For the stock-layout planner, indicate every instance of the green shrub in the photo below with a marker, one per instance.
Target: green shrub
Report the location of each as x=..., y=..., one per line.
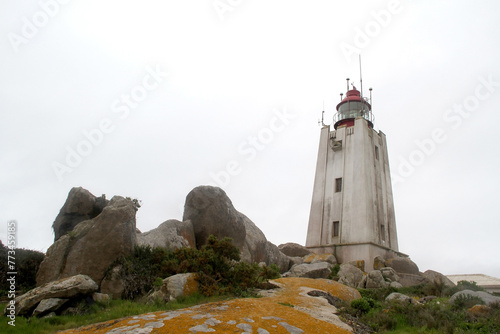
x=216, y=265
x=380, y=321
x=377, y=294
x=361, y=305
x=468, y=285
x=464, y=302
x=335, y=272
x=436, y=316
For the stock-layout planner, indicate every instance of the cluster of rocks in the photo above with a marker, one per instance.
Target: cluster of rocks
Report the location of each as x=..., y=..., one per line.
x=91, y=233
x=58, y=297
x=394, y=272
x=89, y=246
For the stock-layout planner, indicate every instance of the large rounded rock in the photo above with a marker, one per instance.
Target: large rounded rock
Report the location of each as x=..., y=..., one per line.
x=389, y=274
x=254, y=248
x=274, y=255
x=170, y=235
x=93, y=245
x=403, y=265
x=350, y=275
x=484, y=296
x=311, y=270
x=375, y=280
x=436, y=277
x=66, y=288
x=407, y=280
x=401, y=297
x=80, y=205
x=213, y=213
x=180, y=285
x=293, y=250
x=313, y=258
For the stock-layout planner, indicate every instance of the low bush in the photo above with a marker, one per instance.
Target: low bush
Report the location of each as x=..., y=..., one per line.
x=26, y=264
x=334, y=275
x=464, y=302
x=216, y=263
x=377, y=294
x=361, y=305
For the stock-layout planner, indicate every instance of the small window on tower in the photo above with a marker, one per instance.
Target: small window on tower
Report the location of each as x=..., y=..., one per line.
x=338, y=185
x=376, y=152
x=335, y=232
x=382, y=232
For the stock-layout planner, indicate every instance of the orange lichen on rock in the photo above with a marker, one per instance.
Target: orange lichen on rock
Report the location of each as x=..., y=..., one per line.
x=285, y=310
x=316, y=257
x=191, y=285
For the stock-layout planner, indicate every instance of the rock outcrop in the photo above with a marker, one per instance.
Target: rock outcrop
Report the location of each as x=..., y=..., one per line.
x=175, y=286
x=293, y=250
x=49, y=305
x=212, y=213
x=288, y=309
x=93, y=245
x=350, y=275
x=375, y=280
x=80, y=205
x=389, y=274
x=170, y=235
x=311, y=270
x=314, y=258
x=403, y=265
x=274, y=255
x=56, y=293
x=487, y=298
x=401, y=297
x=407, y=271
x=436, y=277
x=113, y=284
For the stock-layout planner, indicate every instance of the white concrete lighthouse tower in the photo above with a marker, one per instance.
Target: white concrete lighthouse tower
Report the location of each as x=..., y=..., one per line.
x=352, y=209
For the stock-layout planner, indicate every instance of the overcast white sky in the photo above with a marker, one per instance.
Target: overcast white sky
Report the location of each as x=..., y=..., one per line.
x=182, y=90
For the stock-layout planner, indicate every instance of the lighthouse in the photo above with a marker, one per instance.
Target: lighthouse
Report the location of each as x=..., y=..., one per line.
x=352, y=209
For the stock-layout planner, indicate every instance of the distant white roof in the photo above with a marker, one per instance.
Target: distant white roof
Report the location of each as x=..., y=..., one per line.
x=480, y=279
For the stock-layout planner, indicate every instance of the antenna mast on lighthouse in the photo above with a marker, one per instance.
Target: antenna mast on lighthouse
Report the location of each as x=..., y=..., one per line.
x=360, y=76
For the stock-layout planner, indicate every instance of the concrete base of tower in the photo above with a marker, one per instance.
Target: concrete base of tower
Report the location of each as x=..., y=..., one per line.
x=366, y=252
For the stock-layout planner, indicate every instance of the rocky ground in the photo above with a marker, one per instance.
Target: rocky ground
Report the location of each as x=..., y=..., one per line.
x=287, y=309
